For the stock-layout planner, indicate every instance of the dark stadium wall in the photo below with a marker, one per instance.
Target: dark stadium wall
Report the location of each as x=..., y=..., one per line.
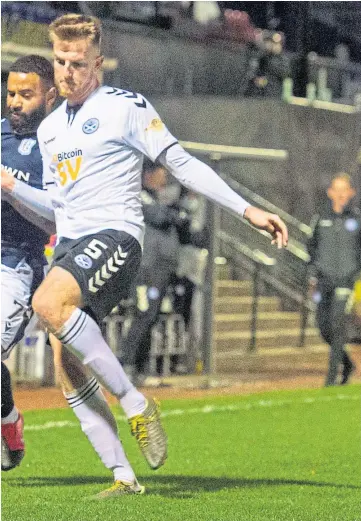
x=319, y=142
x=157, y=62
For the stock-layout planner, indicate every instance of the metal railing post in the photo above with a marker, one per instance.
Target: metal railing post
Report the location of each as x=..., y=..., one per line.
x=213, y=220
x=304, y=314
x=256, y=276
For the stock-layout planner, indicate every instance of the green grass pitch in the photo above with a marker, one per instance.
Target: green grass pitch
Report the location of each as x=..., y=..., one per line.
x=278, y=456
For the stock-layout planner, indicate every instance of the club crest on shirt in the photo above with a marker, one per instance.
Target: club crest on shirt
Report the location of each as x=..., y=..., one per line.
x=91, y=126
x=351, y=225
x=26, y=146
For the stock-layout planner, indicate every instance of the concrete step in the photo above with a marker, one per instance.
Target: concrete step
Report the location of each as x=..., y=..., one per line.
x=223, y=271
x=244, y=304
x=305, y=360
x=234, y=288
x=275, y=320
x=239, y=340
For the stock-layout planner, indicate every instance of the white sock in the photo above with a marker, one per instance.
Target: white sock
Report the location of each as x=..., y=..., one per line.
x=83, y=337
x=11, y=418
x=99, y=425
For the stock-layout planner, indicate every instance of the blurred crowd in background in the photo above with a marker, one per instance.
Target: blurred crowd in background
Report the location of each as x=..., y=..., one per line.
x=275, y=50
x=289, y=47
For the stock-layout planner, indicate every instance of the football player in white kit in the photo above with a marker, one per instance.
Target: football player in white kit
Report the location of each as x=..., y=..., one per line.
x=31, y=94
x=93, y=147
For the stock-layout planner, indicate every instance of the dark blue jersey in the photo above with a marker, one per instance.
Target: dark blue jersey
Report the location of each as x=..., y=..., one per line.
x=20, y=156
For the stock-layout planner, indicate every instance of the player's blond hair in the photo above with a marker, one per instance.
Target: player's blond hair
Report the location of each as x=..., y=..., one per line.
x=71, y=27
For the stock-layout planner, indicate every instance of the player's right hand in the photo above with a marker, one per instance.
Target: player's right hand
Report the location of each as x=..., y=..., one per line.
x=7, y=181
x=269, y=222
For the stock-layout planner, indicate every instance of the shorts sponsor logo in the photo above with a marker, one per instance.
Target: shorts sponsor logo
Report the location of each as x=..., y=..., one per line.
x=107, y=270
x=84, y=261
x=351, y=225
x=91, y=126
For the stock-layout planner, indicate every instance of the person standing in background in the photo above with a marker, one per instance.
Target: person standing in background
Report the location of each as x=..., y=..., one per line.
x=163, y=223
x=335, y=258
x=190, y=274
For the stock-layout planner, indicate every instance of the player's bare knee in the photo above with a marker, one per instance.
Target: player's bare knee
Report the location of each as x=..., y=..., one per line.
x=52, y=311
x=41, y=305
x=46, y=308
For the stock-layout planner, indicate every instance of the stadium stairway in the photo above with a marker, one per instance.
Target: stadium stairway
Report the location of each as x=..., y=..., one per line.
x=277, y=336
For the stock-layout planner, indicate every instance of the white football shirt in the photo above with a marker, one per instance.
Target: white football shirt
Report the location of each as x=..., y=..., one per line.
x=93, y=157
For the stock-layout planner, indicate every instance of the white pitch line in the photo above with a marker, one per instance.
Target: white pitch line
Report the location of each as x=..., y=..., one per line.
x=207, y=409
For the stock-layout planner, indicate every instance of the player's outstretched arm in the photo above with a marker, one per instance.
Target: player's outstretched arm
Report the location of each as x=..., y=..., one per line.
x=199, y=177
x=38, y=201
x=36, y=219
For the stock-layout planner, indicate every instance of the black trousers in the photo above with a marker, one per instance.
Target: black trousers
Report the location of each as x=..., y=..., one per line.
x=184, y=290
x=331, y=319
x=151, y=287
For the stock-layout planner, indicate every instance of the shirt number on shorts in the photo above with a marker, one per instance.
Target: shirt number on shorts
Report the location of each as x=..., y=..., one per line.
x=95, y=248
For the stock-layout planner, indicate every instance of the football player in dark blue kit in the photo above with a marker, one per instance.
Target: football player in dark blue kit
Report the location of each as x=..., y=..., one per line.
x=30, y=97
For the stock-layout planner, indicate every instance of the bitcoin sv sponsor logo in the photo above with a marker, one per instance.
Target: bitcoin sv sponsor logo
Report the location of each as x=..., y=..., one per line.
x=68, y=165
x=68, y=155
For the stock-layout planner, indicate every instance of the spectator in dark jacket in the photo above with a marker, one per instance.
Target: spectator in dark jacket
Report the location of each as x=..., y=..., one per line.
x=335, y=251
x=165, y=224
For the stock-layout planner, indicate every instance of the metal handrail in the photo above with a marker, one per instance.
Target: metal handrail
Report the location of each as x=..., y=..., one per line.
x=258, y=199
x=256, y=256
x=332, y=63
x=261, y=258
x=221, y=152
x=11, y=52
x=217, y=152
x=260, y=262
x=294, y=247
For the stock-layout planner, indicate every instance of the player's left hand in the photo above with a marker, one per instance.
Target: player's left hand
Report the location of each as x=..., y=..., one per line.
x=7, y=181
x=269, y=222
